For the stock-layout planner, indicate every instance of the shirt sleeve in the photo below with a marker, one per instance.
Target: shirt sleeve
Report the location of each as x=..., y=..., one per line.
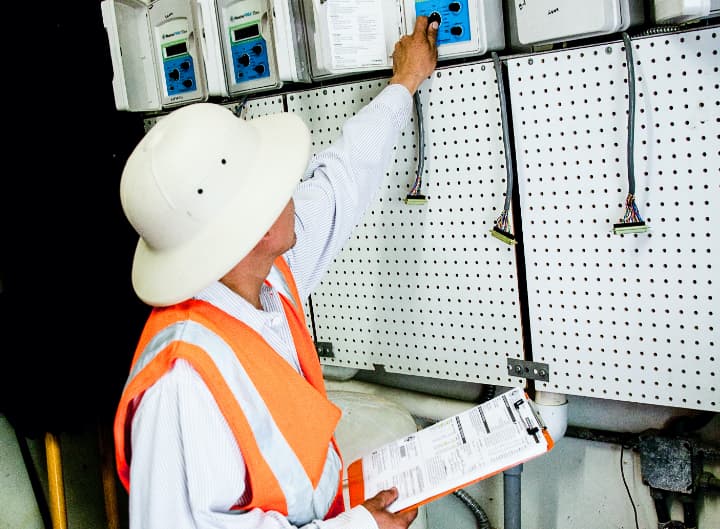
x=187, y=470
x=341, y=182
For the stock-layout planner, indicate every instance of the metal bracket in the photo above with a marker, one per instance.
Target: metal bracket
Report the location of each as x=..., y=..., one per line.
x=527, y=369
x=324, y=349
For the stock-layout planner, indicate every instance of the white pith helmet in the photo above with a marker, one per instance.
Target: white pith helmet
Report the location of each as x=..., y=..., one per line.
x=201, y=189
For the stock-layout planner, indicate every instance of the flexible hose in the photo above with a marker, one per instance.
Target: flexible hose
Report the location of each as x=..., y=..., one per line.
x=489, y=392
x=659, y=30
x=477, y=510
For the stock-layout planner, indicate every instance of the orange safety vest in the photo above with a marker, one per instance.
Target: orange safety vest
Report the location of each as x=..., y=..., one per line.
x=282, y=469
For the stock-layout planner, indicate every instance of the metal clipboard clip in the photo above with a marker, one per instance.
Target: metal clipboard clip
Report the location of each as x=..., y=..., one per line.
x=536, y=413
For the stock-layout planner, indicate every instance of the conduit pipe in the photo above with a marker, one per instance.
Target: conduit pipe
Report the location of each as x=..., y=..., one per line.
x=477, y=510
x=553, y=408
x=512, y=505
x=420, y=405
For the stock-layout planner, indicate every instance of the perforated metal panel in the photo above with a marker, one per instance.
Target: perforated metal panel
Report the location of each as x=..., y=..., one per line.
x=259, y=106
x=251, y=108
x=631, y=317
x=424, y=289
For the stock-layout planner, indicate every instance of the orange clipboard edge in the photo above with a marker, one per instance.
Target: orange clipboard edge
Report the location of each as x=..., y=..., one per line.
x=471, y=482
x=549, y=439
x=356, y=483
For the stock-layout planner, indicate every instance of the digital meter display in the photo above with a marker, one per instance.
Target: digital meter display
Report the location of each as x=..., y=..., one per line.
x=245, y=32
x=175, y=49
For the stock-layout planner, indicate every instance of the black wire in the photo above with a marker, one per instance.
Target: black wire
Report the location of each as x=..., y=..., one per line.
x=240, y=106
x=506, y=131
x=627, y=489
x=421, y=143
x=312, y=319
x=631, y=113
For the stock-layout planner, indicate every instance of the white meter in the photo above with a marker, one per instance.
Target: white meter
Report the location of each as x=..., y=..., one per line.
x=246, y=29
x=535, y=22
x=156, y=54
x=467, y=27
x=260, y=45
x=681, y=11
x=181, y=74
x=352, y=36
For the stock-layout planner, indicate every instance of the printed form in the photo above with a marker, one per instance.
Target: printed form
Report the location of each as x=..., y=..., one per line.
x=357, y=34
x=452, y=453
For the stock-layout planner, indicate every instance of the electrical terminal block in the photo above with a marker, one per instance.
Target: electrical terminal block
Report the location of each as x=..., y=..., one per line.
x=626, y=228
x=415, y=200
x=504, y=236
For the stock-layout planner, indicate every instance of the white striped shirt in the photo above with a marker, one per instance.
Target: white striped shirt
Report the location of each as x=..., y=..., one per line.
x=186, y=469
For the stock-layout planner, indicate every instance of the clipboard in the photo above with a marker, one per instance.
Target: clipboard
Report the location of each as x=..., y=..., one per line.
x=453, y=453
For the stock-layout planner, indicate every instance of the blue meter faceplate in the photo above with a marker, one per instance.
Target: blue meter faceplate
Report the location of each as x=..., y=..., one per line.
x=249, y=53
x=179, y=69
x=455, y=19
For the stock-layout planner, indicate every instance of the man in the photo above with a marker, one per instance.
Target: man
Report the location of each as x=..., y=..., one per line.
x=224, y=422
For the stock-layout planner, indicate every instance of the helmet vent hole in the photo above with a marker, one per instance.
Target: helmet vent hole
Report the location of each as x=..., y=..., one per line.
x=200, y=191
x=223, y=161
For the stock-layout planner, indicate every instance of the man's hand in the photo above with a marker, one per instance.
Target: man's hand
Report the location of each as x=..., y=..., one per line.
x=378, y=504
x=415, y=55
